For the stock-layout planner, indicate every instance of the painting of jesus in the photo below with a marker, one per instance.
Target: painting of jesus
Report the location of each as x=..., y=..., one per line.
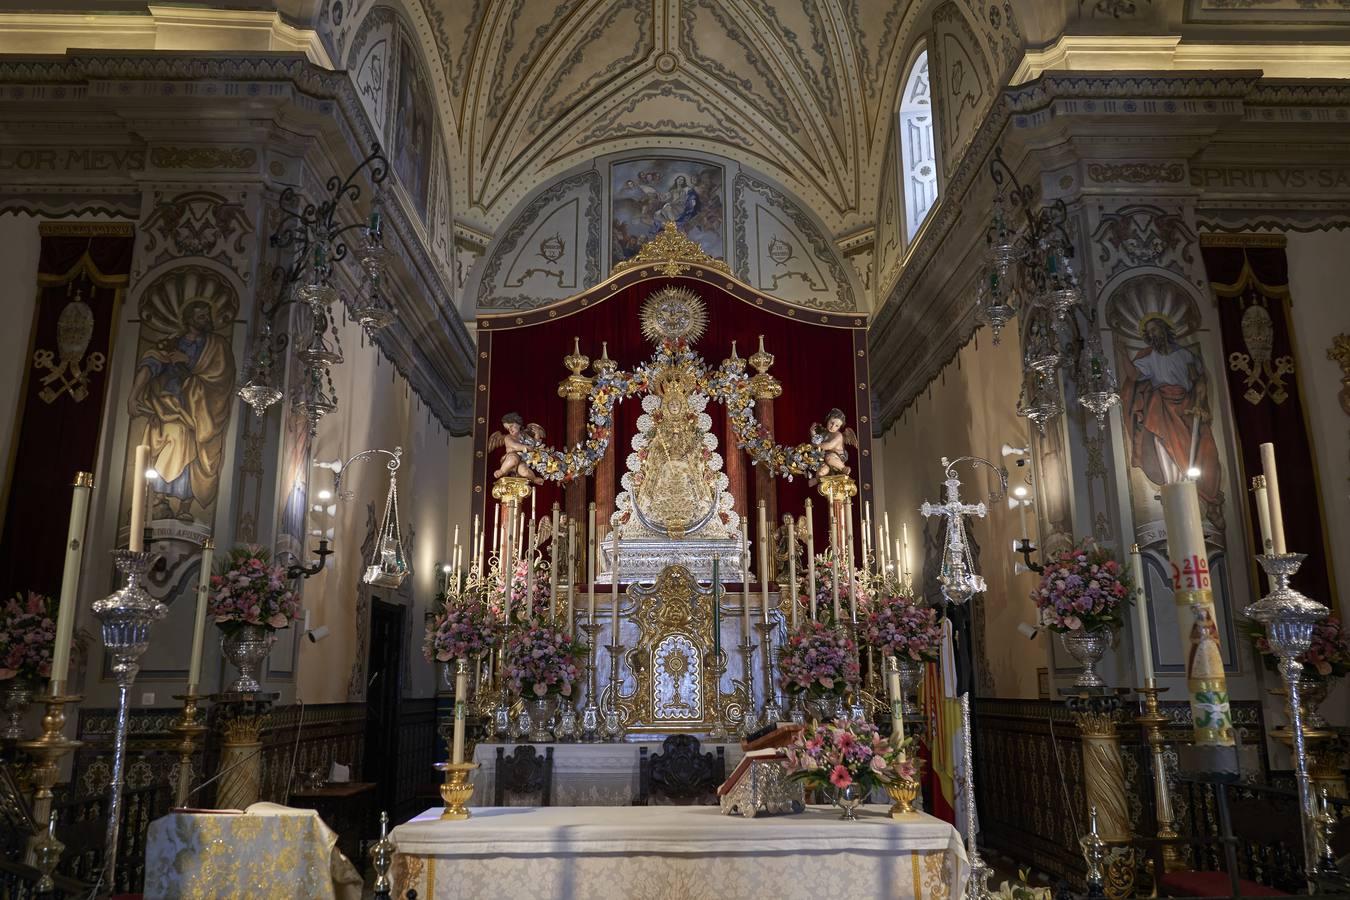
x=645, y=194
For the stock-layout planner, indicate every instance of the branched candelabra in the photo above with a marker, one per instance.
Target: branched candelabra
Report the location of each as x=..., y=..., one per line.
x=1289, y=618
x=748, y=719
x=126, y=616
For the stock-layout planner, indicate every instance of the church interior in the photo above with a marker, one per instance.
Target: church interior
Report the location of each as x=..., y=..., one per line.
x=674, y=448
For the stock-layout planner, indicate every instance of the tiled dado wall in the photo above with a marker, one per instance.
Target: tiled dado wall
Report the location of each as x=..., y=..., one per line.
x=1030, y=794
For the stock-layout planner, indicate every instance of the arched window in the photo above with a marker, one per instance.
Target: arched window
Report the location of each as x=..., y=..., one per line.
x=918, y=160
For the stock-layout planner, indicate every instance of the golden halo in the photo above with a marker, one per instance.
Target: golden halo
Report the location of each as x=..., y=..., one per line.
x=673, y=314
x=1155, y=316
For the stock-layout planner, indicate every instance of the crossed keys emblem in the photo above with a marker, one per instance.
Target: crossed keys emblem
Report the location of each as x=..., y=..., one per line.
x=70, y=374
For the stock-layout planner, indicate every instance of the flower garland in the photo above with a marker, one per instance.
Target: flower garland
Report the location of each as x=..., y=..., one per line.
x=899, y=625
x=460, y=631
x=1327, y=657
x=541, y=660
x=248, y=589
x=1082, y=588
x=817, y=660
x=726, y=384
x=844, y=753
x=27, y=637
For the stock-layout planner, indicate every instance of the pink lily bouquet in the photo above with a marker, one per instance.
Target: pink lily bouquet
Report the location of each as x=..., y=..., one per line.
x=459, y=631
x=249, y=589
x=27, y=636
x=538, y=608
x=826, y=570
x=844, y=752
x=542, y=660
x=899, y=625
x=817, y=660
x=1083, y=589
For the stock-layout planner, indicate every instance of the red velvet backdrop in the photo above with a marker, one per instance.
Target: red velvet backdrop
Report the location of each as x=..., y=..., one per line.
x=1253, y=273
x=815, y=364
x=57, y=430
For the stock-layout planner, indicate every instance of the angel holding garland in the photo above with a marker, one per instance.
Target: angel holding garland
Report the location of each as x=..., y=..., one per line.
x=517, y=438
x=832, y=439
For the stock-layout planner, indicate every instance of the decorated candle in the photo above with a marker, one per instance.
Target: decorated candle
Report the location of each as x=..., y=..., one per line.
x=1197, y=623
x=897, y=700
x=792, y=568
x=136, y=540
x=553, y=566
x=70, y=578
x=810, y=559
x=590, y=564
x=1141, y=615
x=461, y=706
x=1273, y=497
x=1263, y=512
x=199, y=623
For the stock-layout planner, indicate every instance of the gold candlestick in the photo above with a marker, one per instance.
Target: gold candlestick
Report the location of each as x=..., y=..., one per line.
x=456, y=790
x=1152, y=721
x=48, y=749
x=187, y=729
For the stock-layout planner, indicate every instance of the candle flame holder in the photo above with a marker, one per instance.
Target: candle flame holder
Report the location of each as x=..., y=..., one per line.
x=456, y=790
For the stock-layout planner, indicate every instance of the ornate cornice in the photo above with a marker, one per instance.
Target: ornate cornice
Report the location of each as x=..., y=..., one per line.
x=672, y=253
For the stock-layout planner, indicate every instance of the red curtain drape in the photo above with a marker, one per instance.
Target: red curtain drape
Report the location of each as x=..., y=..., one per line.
x=82, y=275
x=1249, y=275
x=814, y=363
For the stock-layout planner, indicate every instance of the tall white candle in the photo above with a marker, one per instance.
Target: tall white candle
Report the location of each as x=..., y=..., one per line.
x=848, y=559
x=497, y=530
x=1263, y=512
x=199, y=623
x=475, y=545
x=886, y=541
x=508, y=570
x=70, y=579
x=745, y=578
x=553, y=565
x=764, y=560
x=904, y=547
x=571, y=573
x=528, y=557
x=136, y=540
x=811, y=559
x=792, y=568
x=590, y=563
x=1141, y=614
x=1273, y=496
x=897, y=700
x=461, y=706
x=836, y=563
x=615, y=585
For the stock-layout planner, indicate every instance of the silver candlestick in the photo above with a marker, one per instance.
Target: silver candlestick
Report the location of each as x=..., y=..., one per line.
x=612, y=729
x=771, y=713
x=748, y=720
x=126, y=616
x=977, y=888
x=501, y=710
x=590, y=713
x=717, y=664
x=1289, y=618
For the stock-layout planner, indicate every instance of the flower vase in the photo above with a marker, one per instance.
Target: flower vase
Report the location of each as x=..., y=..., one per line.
x=543, y=717
x=246, y=646
x=15, y=696
x=902, y=794
x=848, y=799
x=1088, y=648
x=911, y=674
x=826, y=707
x=1312, y=692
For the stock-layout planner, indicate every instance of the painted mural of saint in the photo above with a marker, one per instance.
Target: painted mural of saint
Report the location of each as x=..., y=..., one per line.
x=183, y=386
x=680, y=206
x=1166, y=395
x=1205, y=660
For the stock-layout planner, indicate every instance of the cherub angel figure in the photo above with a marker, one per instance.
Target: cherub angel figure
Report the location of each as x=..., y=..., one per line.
x=518, y=437
x=832, y=438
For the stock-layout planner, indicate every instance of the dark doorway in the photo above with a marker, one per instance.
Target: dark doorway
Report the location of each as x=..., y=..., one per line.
x=383, y=690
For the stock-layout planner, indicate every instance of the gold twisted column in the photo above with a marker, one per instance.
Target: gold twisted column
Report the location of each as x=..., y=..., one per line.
x=243, y=718
x=1104, y=783
x=765, y=389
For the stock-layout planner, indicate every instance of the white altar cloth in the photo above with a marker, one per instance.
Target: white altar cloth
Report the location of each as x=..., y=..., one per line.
x=677, y=852
x=583, y=774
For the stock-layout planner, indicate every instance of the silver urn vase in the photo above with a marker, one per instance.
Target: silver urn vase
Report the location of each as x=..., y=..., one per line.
x=848, y=799
x=542, y=731
x=15, y=695
x=911, y=676
x=1088, y=648
x=246, y=647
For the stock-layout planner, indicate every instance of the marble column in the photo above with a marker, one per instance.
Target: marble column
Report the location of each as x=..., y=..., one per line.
x=575, y=389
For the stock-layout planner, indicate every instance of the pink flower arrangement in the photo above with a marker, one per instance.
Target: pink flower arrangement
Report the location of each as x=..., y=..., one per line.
x=248, y=589
x=459, y=631
x=825, y=574
x=1082, y=588
x=1327, y=657
x=27, y=636
x=538, y=608
x=541, y=660
x=842, y=753
x=817, y=659
x=899, y=625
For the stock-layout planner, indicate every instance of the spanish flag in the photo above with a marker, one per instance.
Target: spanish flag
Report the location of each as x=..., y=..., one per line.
x=943, y=711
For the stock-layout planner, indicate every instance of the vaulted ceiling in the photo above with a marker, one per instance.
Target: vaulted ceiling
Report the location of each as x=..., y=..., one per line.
x=800, y=89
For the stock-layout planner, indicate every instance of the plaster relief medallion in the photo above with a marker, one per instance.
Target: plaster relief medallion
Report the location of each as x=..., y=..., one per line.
x=552, y=248
x=779, y=250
